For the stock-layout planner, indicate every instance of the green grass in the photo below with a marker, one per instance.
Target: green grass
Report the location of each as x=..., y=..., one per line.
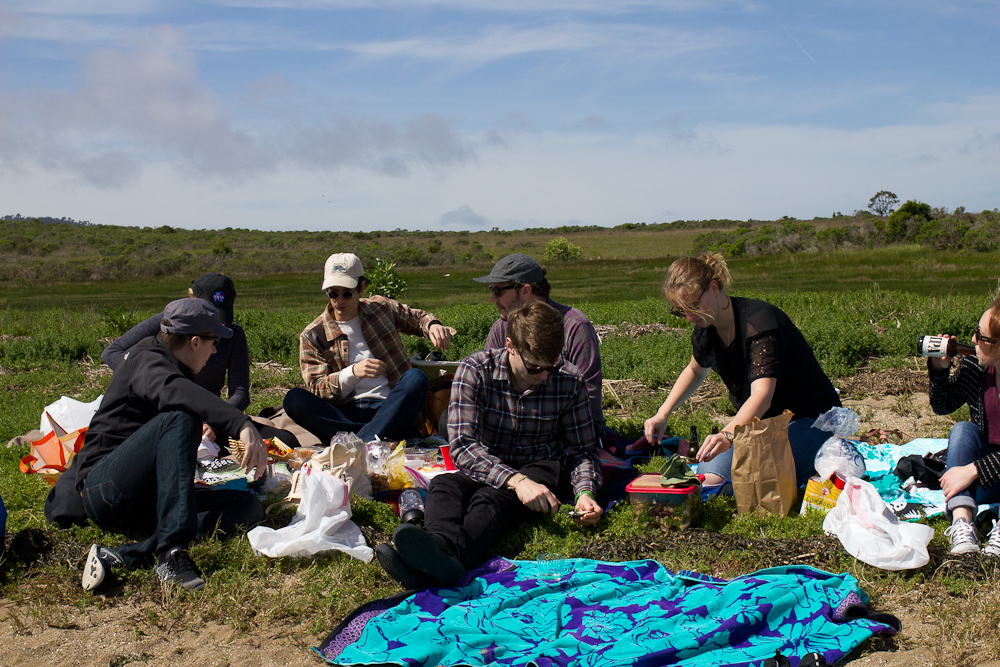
x=52, y=337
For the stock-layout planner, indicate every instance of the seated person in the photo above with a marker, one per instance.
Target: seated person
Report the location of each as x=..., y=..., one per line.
x=522, y=437
x=229, y=366
x=758, y=352
x=356, y=371
x=517, y=279
x=973, y=465
x=136, y=469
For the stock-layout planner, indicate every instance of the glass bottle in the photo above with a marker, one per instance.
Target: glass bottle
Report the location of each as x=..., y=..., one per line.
x=942, y=346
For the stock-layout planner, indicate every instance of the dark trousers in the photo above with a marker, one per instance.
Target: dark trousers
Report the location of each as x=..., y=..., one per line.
x=471, y=515
x=146, y=485
x=389, y=419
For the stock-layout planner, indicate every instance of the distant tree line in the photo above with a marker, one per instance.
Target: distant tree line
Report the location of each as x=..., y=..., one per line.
x=913, y=222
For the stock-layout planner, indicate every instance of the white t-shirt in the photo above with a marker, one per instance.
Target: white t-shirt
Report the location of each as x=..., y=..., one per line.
x=357, y=349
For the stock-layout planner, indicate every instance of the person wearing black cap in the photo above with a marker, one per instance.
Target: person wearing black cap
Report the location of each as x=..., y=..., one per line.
x=517, y=279
x=230, y=365
x=136, y=469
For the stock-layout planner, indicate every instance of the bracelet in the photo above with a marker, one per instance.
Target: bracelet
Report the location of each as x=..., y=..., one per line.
x=582, y=494
x=515, y=479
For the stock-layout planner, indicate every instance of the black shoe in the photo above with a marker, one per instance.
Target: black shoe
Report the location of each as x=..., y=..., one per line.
x=813, y=660
x=97, y=569
x=777, y=661
x=428, y=554
x=402, y=573
x=178, y=568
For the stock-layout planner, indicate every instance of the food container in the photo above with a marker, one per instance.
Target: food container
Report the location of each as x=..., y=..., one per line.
x=676, y=507
x=421, y=456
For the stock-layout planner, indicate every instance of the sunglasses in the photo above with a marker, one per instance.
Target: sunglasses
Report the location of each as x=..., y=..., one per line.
x=334, y=294
x=215, y=339
x=989, y=340
x=498, y=291
x=681, y=312
x=537, y=370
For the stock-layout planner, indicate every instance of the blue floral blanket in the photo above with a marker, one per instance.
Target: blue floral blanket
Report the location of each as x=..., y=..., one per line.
x=592, y=613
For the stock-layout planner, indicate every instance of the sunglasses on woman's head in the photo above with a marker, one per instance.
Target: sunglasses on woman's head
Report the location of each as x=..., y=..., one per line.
x=334, y=294
x=989, y=340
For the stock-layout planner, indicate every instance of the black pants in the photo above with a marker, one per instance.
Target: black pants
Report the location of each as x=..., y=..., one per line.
x=471, y=515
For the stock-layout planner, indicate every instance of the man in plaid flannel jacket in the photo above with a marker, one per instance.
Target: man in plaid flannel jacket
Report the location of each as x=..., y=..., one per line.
x=357, y=374
x=522, y=436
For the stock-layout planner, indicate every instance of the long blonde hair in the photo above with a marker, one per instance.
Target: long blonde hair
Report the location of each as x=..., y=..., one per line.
x=690, y=276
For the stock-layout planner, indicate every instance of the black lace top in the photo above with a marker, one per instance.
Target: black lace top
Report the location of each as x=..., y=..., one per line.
x=767, y=344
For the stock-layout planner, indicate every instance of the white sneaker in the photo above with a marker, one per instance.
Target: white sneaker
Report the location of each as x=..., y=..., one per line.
x=964, y=538
x=993, y=545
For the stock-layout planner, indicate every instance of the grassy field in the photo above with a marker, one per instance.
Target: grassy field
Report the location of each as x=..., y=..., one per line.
x=860, y=311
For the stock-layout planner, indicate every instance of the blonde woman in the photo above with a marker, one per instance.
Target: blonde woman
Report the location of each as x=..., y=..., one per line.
x=973, y=467
x=758, y=352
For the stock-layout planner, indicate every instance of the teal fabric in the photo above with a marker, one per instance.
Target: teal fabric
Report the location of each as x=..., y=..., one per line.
x=590, y=613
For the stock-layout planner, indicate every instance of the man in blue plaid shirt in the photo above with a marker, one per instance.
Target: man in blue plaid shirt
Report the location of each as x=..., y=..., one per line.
x=522, y=436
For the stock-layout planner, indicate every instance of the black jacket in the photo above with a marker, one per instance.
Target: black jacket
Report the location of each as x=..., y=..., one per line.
x=149, y=381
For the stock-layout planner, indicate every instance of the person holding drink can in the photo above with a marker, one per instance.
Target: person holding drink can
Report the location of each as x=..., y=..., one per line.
x=973, y=462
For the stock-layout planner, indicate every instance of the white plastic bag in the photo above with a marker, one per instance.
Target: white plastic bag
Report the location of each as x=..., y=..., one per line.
x=837, y=455
x=321, y=523
x=68, y=415
x=870, y=531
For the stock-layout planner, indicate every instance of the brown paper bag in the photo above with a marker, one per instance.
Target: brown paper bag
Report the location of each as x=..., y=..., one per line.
x=763, y=467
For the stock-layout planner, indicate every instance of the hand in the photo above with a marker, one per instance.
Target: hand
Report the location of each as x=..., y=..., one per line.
x=369, y=368
x=958, y=479
x=712, y=446
x=255, y=455
x=654, y=428
x=537, y=497
x=941, y=363
x=207, y=432
x=440, y=335
x=592, y=509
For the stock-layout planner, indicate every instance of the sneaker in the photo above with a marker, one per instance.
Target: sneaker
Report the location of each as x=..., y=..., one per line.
x=178, y=568
x=992, y=547
x=97, y=569
x=964, y=538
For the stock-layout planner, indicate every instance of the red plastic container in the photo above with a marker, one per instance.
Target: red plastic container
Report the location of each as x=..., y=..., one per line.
x=675, y=506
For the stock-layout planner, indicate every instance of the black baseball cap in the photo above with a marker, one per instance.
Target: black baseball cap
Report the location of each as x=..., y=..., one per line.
x=518, y=268
x=219, y=291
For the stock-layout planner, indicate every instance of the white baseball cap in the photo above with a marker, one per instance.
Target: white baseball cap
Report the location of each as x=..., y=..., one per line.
x=342, y=270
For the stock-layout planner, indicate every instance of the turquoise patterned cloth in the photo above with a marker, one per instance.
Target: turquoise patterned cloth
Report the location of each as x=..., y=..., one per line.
x=590, y=613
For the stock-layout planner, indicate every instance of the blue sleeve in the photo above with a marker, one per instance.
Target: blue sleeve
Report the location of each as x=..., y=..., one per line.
x=114, y=352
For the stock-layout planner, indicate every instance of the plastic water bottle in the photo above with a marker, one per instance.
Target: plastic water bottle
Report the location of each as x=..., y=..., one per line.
x=411, y=506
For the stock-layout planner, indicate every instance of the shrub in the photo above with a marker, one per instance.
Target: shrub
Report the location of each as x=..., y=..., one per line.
x=561, y=250
x=384, y=279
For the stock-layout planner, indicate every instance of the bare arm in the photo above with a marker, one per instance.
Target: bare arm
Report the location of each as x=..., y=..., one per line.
x=761, y=393
x=687, y=383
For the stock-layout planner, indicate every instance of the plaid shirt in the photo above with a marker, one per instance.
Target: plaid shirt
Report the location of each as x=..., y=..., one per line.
x=323, y=350
x=495, y=429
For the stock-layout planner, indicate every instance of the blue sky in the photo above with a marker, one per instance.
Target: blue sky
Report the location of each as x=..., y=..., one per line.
x=361, y=115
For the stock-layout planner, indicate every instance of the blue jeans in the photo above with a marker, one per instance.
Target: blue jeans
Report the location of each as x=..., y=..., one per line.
x=389, y=419
x=146, y=486
x=967, y=443
x=804, y=439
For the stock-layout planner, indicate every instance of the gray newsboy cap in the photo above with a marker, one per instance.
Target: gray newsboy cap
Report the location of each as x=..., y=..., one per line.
x=519, y=268
x=193, y=317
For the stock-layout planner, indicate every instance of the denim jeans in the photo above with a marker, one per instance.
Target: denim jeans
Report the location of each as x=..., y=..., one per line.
x=146, y=486
x=389, y=419
x=967, y=443
x=804, y=439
